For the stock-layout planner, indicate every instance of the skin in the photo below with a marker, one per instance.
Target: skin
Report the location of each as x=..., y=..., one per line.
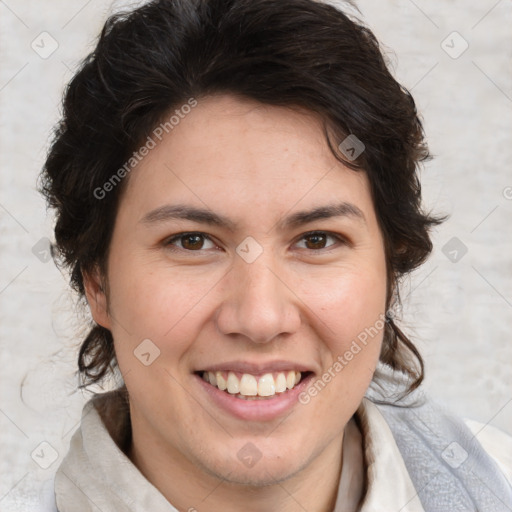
x=255, y=165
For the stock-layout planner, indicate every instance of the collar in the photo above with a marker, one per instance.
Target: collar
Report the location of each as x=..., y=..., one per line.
x=389, y=486
x=97, y=474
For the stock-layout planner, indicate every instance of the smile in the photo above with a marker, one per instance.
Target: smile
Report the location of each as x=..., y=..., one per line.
x=253, y=391
x=247, y=386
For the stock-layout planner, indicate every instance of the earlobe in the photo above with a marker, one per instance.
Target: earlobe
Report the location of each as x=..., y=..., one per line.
x=96, y=297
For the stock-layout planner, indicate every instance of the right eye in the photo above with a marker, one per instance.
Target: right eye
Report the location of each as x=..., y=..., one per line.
x=194, y=241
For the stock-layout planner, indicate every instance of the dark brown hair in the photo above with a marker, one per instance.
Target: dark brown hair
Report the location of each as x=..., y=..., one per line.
x=297, y=53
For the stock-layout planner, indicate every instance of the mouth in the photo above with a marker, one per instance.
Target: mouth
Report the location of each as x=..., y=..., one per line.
x=249, y=386
x=253, y=391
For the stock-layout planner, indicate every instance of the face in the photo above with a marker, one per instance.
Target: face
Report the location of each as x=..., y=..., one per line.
x=243, y=248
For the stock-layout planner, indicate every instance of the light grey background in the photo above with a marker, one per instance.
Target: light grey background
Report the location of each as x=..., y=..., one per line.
x=460, y=313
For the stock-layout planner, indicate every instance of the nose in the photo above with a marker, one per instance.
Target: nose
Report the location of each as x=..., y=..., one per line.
x=258, y=303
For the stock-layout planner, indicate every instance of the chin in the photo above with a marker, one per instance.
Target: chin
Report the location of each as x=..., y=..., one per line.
x=263, y=474
x=252, y=468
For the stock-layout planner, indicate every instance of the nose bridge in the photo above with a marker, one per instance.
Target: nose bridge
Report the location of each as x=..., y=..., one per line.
x=258, y=284
x=257, y=303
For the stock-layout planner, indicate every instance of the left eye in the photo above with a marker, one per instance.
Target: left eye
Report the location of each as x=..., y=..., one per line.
x=191, y=241
x=317, y=240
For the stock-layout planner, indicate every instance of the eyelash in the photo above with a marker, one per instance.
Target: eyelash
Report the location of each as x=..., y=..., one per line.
x=338, y=238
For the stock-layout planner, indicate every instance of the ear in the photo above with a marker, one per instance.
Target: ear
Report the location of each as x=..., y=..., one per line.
x=96, y=297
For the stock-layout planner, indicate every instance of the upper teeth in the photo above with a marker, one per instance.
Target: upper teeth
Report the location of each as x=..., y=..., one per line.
x=248, y=385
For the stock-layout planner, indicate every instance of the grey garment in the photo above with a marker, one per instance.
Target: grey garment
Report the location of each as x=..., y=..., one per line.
x=446, y=463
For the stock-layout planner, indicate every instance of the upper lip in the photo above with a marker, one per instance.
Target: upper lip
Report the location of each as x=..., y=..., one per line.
x=256, y=368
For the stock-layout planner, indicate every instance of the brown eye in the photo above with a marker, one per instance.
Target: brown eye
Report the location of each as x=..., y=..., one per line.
x=316, y=241
x=191, y=241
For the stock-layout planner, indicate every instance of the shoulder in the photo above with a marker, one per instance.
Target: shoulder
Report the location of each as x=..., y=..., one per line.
x=496, y=443
x=444, y=456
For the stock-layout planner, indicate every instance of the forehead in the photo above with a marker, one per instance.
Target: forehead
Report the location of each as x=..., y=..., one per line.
x=230, y=153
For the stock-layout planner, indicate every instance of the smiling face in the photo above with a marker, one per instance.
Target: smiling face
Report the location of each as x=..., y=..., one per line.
x=243, y=248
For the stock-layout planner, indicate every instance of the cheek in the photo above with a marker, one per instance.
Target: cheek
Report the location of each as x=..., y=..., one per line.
x=166, y=309
x=350, y=321
x=348, y=308
x=159, y=304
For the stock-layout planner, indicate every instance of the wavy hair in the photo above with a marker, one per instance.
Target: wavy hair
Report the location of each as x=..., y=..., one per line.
x=298, y=53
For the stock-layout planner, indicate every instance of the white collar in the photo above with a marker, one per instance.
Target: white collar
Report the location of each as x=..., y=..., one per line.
x=96, y=473
x=389, y=486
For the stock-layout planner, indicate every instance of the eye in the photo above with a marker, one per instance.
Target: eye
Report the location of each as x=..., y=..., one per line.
x=191, y=241
x=317, y=240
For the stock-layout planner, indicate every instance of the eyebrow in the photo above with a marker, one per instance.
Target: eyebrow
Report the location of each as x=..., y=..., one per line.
x=342, y=209
x=205, y=216
x=200, y=215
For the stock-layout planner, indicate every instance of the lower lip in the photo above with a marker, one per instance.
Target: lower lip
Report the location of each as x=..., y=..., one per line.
x=255, y=410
